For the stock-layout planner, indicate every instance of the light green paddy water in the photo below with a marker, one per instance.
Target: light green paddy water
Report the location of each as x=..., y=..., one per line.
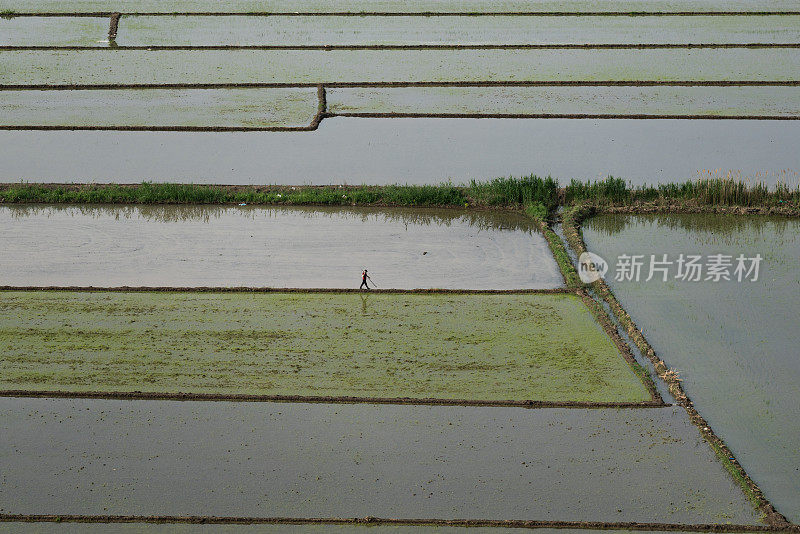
x=494, y=347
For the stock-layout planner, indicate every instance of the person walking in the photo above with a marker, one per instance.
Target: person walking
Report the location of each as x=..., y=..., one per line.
x=364, y=277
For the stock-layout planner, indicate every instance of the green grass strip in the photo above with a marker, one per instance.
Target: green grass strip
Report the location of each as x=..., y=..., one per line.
x=540, y=215
x=500, y=192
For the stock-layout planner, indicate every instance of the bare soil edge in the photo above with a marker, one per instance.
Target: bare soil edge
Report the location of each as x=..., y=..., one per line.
x=113, y=26
x=572, y=220
x=240, y=289
x=342, y=399
x=507, y=523
x=656, y=207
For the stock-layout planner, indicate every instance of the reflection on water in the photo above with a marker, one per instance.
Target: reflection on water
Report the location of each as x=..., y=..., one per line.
x=742, y=227
x=253, y=246
x=735, y=345
x=445, y=217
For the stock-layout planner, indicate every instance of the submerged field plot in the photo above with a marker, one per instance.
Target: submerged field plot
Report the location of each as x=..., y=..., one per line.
x=317, y=460
x=293, y=30
x=733, y=344
x=404, y=248
x=375, y=151
x=64, y=64
x=544, y=347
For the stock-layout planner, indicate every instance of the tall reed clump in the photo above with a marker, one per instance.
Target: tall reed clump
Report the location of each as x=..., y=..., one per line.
x=601, y=191
x=718, y=188
x=714, y=188
x=516, y=191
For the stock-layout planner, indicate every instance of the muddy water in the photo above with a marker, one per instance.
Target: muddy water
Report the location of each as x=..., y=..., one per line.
x=276, y=247
x=386, y=151
x=734, y=344
x=65, y=456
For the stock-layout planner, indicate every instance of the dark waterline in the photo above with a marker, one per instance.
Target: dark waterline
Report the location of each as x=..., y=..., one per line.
x=414, y=151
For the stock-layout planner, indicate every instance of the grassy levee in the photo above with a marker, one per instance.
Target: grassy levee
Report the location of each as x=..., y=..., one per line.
x=572, y=220
x=539, y=196
x=512, y=347
x=541, y=215
x=153, y=193
x=500, y=192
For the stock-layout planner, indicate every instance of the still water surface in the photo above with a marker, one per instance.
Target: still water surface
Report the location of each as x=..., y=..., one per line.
x=414, y=151
x=318, y=460
x=735, y=345
x=402, y=248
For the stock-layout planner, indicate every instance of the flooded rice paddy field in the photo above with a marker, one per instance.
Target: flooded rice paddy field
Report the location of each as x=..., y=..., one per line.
x=376, y=151
x=486, y=6
x=128, y=66
x=702, y=101
x=495, y=347
x=276, y=30
x=303, y=460
x=296, y=247
x=222, y=108
x=71, y=456
x=298, y=107
x=733, y=344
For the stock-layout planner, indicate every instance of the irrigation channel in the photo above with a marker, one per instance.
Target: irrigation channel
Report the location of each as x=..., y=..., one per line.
x=733, y=344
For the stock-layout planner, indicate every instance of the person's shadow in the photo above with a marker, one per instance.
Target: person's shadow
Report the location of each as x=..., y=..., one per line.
x=364, y=299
